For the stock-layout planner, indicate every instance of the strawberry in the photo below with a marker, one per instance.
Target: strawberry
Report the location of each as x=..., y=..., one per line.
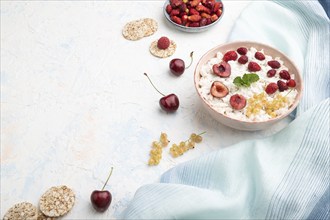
x=202, y=8
x=282, y=85
x=204, y=15
x=284, y=74
x=182, y=14
x=193, y=11
x=203, y=22
x=194, y=18
x=271, y=88
x=243, y=59
x=214, y=17
x=230, y=55
x=242, y=50
x=291, y=83
x=194, y=24
x=209, y=4
x=183, y=7
x=274, y=64
x=176, y=3
x=168, y=9
x=175, y=12
x=219, y=12
x=271, y=73
x=163, y=43
x=176, y=19
x=194, y=3
x=216, y=6
x=253, y=67
x=259, y=56
x=184, y=19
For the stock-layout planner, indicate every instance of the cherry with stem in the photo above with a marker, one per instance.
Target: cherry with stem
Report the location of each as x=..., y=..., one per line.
x=101, y=199
x=177, y=66
x=169, y=103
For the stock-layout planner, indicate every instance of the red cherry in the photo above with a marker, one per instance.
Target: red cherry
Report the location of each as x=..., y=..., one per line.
x=177, y=66
x=169, y=103
x=237, y=101
x=219, y=90
x=222, y=69
x=101, y=199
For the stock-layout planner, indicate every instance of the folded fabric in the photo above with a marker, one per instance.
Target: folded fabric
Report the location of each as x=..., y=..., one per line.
x=279, y=177
x=285, y=176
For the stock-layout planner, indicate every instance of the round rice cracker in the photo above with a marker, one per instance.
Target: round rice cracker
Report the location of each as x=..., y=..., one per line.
x=22, y=211
x=134, y=30
x=154, y=50
x=57, y=201
x=137, y=29
x=150, y=27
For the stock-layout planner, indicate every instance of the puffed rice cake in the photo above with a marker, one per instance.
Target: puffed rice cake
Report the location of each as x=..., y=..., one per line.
x=137, y=29
x=57, y=201
x=154, y=50
x=22, y=211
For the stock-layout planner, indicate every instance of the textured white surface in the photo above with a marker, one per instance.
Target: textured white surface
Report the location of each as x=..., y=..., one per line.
x=74, y=100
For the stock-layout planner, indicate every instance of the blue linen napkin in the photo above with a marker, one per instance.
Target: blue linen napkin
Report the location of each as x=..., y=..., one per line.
x=284, y=176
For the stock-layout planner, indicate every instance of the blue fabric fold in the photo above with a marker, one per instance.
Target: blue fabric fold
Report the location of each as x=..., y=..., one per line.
x=284, y=176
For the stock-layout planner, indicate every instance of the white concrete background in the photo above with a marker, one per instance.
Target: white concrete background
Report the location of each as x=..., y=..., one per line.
x=74, y=100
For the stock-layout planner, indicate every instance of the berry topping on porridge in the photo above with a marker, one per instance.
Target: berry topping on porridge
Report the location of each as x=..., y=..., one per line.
x=222, y=69
x=247, y=84
x=219, y=90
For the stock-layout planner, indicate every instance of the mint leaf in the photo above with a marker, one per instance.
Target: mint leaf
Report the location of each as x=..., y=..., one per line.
x=250, y=77
x=246, y=80
x=238, y=81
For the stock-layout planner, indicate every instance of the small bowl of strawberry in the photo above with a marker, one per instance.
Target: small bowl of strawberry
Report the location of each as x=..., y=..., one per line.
x=193, y=15
x=248, y=85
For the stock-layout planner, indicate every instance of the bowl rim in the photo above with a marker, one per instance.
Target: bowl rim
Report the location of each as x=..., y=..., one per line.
x=191, y=29
x=298, y=75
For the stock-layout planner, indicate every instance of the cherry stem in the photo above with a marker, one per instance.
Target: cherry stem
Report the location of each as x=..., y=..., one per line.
x=153, y=84
x=107, y=179
x=191, y=59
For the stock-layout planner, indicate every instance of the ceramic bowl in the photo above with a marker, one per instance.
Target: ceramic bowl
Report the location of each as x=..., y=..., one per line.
x=240, y=124
x=190, y=29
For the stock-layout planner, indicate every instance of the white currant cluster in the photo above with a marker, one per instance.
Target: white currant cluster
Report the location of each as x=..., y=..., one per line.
x=157, y=149
x=176, y=149
x=179, y=149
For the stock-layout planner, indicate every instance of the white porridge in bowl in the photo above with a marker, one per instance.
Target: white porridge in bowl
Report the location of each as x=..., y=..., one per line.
x=247, y=84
